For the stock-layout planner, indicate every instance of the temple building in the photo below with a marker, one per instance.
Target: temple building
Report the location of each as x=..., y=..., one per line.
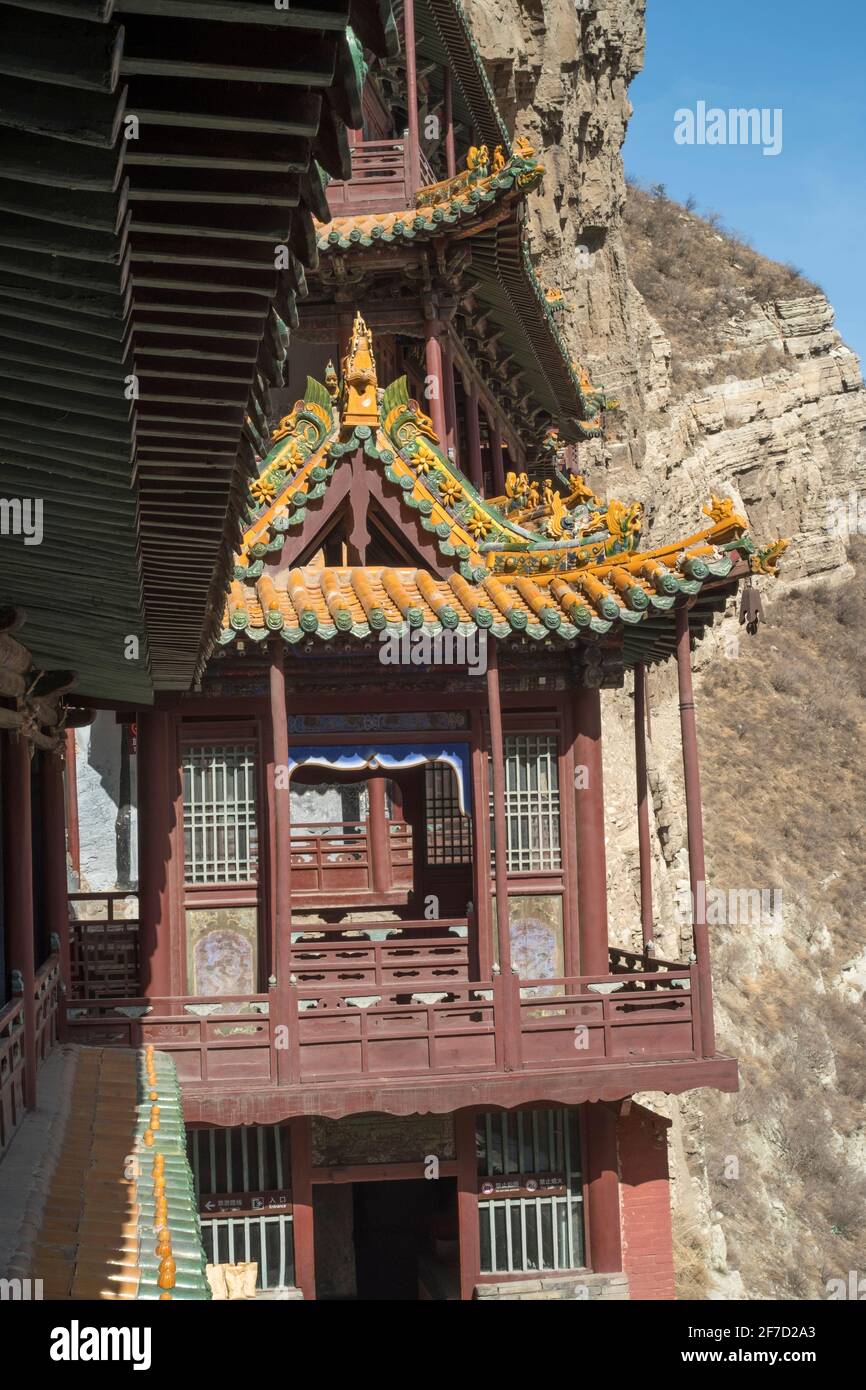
x=370, y=931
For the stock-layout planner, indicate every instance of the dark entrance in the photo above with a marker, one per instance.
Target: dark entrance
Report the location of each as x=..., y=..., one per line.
x=406, y=1239
x=394, y=1240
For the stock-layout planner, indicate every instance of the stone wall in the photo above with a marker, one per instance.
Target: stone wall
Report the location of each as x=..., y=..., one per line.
x=582, y=1288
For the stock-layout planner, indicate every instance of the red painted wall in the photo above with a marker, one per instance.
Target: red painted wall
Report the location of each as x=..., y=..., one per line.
x=647, y=1245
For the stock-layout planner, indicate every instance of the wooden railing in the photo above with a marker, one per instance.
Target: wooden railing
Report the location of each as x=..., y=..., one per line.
x=626, y=1017
x=103, y=944
x=335, y=858
x=344, y=1037
x=631, y=962
x=13, y=1053
x=404, y=953
x=425, y=1027
x=46, y=995
x=426, y=170
x=381, y=179
x=211, y=1037
x=11, y=1069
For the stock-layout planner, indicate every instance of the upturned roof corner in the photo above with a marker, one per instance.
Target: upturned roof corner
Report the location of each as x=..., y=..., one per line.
x=544, y=558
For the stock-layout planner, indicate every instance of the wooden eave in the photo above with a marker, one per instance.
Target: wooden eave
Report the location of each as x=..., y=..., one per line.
x=444, y=39
x=437, y=1096
x=143, y=257
x=505, y=291
x=491, y=566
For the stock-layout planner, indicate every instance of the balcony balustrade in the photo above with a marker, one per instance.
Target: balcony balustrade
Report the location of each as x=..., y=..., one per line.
x=13, y=1060
x=334, y=861
x=406, y=1016
x=381, y=179
x=11, y=1069
x=103, y=944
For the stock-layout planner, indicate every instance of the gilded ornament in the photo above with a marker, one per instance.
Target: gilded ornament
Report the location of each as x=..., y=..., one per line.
x=450, y=491
x=423, y=459
x=478, y=160
x=558, y=511
x=767, y=561
x=479, y=525
x=360, y=403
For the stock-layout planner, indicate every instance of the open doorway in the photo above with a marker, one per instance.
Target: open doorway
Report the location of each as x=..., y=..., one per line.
x=390, y=1241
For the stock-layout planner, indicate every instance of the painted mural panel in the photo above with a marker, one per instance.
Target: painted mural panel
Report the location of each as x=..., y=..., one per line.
x=536, y=936
x=222, y=950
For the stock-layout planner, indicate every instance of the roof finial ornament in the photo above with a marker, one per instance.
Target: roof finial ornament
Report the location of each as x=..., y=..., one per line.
x=478, y=162
x=360, y=403
x=332, y=383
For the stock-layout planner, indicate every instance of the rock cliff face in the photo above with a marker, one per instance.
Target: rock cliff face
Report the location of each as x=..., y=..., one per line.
x=560, y=70
x=733, y=380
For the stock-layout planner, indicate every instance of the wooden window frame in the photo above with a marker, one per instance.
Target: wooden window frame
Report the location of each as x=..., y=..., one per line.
x=253, y=892
x=504, y=1276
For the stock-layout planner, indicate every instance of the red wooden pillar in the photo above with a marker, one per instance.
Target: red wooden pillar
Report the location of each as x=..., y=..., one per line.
x=496, y=455
x=602, y=1176
x=500, y=833
x=467, y=1202
x=482, y=948
x=507, y=1010
x=695, y=826
x=157, y=776
x=435, y=370
x=54, y=843
x=473, y=438
x=450, y=152
x=412, y=96
x=18, y=869
x=301, y=1140
x=380, y=847
x=589, y=823
x=72, y=826
x=450, y=401
x=281, y=910
x=643, y=830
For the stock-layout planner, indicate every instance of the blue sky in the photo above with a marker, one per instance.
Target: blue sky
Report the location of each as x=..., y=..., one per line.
x=805, y=205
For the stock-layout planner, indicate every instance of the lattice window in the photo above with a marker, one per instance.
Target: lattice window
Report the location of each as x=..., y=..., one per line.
x=254, y=1160
x=449, y=832
x=531, y=803
x=248, y=1159
x=219, y=813
x=269, y=1240
x=537, y=1150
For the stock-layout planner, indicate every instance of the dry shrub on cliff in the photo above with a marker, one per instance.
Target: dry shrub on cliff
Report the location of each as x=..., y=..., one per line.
x=690, y=1259
x=848, y=1027
x=780, y=723
x=782, y=727
x=696, y=276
